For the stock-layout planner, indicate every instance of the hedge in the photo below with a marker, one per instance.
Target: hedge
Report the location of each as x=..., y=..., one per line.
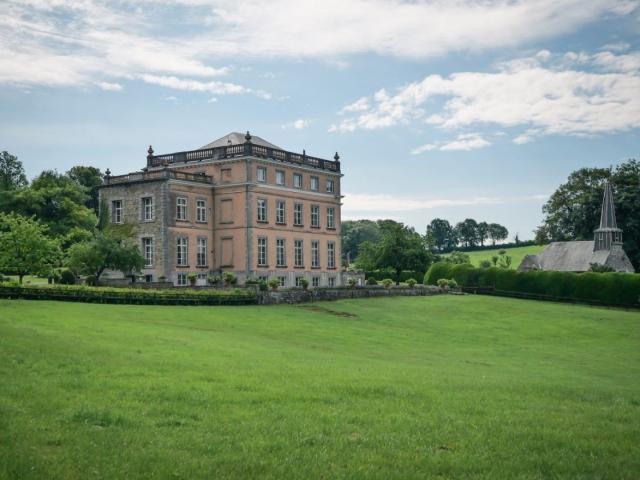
x=621, y=289
x=405, y=275
x=137, y=296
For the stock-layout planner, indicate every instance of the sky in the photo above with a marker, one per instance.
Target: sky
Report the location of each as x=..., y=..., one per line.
x=453, y=109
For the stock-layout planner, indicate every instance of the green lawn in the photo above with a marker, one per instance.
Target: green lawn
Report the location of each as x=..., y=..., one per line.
x=516, y=254
x=390, y=388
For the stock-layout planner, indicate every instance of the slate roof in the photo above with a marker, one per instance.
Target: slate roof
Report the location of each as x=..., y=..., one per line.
x=237, y=138
x=576, y=257
x=608, y=212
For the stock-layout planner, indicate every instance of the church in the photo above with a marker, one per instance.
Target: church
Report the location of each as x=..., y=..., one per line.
x=578, y=256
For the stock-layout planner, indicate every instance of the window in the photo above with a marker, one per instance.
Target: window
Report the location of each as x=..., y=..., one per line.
x=281, y=212
x=201, y=254
x=181, y=208
x=315, y=254
x=297, y=214
x=147, y=251
x=315, y=216
x=147, y=209
x=201, y=211
x=262, y=210
x=332, y=281
x=262, y=174
x=298, y=253
x=330, y=185
x=182, y=280
x=315, y=183
x=262, y=251
x=148, y=278
x=297, y=180
x=182, y=249
x=299, y=281
x=116, y=211
x=331, y=254
x=279, y=177
x=315, y=281
x=281, y=254
x=331, y=217
x=263, y=278
x=202, y=279
x=283, y=281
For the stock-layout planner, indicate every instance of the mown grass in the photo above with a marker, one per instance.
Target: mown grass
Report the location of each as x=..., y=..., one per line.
x=433, y=387
x=516, y=254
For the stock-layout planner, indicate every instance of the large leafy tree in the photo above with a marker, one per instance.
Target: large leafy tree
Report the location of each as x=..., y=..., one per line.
x=90, y=178
x=12, y=175
x=573, y=210
x=497, y=232
x=467, y=231
x=24, y=246
x=482, y=232
x=440, y=234
x=354, y=233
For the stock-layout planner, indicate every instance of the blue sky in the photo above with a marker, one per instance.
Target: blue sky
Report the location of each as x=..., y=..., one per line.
x=449, y=109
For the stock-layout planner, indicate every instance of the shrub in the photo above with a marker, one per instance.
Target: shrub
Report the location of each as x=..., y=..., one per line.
x=457, y=258
x=192, y=278
x=485, y=263
x=351, y=283
x=229, y=278
x=90, y=280
x=452, y=283
x=387, y=282
x=67, y=277
x=262, y=285
x=304, y=283
x=213, y=279
x=412, y=282
x=372, y=281
x=598, y=268
x=437, y=271
x=442, y=283
x=274, y=283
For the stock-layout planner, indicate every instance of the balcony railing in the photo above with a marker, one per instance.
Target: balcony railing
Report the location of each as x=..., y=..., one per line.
x=246, y=149
x=157, y=175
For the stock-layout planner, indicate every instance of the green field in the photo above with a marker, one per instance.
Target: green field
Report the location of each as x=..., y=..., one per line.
x=427, y=387
x=516, y=254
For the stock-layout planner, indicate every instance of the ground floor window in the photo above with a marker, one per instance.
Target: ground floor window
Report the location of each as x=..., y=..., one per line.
x=283, y=281
x=332, y=281
x=299, y=281
x=263, y=278
x=315, y=282
x=182, y=280
x=148, y=278
x=202, y=279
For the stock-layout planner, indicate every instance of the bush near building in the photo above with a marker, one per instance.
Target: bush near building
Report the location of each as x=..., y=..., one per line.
x=607, y=288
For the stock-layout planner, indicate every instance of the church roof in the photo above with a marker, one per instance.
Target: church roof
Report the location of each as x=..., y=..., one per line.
x=576, y=257
x=237, y=138
x=608, y=212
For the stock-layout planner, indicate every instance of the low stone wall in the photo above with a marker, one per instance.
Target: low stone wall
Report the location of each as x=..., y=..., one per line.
x=298, y=295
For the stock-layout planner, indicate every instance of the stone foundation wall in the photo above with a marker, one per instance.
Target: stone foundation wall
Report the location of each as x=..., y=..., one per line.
x=302, y=296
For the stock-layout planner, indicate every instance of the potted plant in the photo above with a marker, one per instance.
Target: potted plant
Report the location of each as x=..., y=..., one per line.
x=274, y=283
x=387, y=282
x=412, y=282
x=213, y=280
x=228, y=278
x=192, y=279
x=443, y=283
x=304, y=283
x=352, y=282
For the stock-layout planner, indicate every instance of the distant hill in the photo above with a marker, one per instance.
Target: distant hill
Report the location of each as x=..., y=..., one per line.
x=516, y=254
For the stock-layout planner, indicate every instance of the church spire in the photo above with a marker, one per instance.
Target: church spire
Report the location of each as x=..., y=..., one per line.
x=608, y=234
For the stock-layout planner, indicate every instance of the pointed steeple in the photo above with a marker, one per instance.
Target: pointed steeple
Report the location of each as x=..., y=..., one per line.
x=608, y=233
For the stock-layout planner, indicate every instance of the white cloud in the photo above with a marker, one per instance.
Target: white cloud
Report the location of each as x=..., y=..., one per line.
x=539, y=93
x=299, y=124
x=109, y=87
x=424, y=148
x=359, y=105
x=171, y=98
x=463, y=142
x=617, y=46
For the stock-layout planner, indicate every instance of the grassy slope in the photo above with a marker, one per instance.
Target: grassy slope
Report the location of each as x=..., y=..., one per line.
x=516, y=254
x=447, y=387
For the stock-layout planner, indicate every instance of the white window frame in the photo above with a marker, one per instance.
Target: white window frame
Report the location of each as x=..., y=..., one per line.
x=281, y=212
x=298, y=253
x=201, y=252
x=281, y=178
x=261, y=174
x=283, y=280
x=147, y=251
x=330, y=185
x=331, y=217
x=182, y=251
x=181, y=208
x=332, y=281
x=147, y=209
x=315, y=254
x=261, y=210
x=297, y=180
x=181, y=280
x=331, y=254
x=116, y=211
x=298, y=214
x=315, y=281
x=281, y=252
x=262, y=251
x=315, y=183
x=315, y=216
x=201, y=210
x=299, y=280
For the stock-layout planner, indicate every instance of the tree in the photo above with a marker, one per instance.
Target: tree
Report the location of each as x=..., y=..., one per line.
x=482, y=232
x=354, y=233
x=440, y=234
x=12, y=175
x=497, y=232
x=109, y=249
x=468, y=232
x=90, y=178
x=457, y=258
x=573, y=210
x=24, y=246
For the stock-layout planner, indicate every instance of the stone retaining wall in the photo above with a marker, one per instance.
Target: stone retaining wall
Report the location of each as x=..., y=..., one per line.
x=303, y=296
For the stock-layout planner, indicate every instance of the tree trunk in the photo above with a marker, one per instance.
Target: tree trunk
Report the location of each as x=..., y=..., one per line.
x=398, y=272
x=20, y=275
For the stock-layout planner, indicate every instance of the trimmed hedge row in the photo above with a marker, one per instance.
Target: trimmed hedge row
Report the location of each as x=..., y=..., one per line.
x=607, y=288
x=136, y=296
x=405, y=275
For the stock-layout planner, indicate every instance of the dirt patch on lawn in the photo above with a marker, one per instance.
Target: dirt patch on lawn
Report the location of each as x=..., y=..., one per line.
x=314, y=308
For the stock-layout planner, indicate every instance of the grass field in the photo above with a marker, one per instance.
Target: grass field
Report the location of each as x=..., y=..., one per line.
x=393, y=388
x=516, y=254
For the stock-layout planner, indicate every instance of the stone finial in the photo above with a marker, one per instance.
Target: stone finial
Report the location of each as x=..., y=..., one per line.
x=304, y=152
x=247, y=137
x=336, y=157
x=107, y=173
x=150, y=152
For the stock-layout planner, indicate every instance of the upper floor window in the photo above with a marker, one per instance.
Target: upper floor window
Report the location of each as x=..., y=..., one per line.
x=182, y=251
x=281, y=212
x=262, y=210
x=147, y=209
x=298, y=255
x=330, y=185
x=262, y=251
x=315, y=183
x=279, y=177
x=147, y=251
x=281, y=254
x=201, y=210
x=297, y=213
x=181, y=208
x=331, y=217
x=331, y=254
x=297, y=180
x=201, y=254
x=116, y=211
x=262, y=174
x=315, y=216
